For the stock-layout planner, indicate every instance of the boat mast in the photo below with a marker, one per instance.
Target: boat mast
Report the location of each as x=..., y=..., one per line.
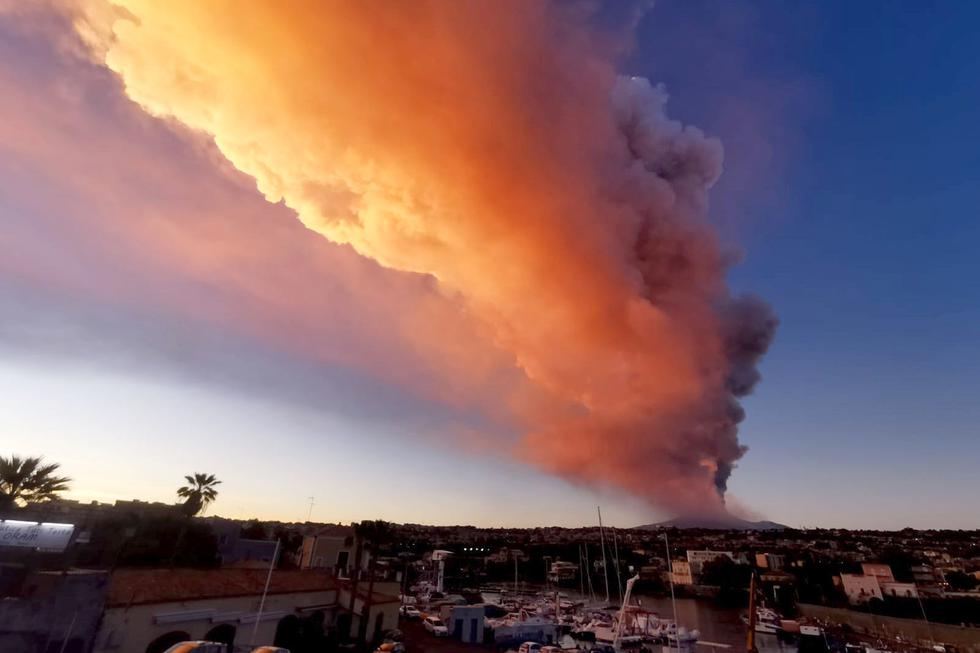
x=602, y=540
x=581, y=571
x=619, y=581
x=673, y=599
x=588, y=573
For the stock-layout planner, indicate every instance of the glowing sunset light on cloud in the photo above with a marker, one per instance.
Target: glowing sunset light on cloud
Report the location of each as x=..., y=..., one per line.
x=493, y=147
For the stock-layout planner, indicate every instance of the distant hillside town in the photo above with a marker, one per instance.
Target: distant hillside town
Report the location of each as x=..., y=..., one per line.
x=134, y=576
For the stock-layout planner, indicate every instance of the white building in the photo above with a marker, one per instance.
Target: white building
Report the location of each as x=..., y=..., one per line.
x=334, y=548
x=465, y=623
x=859, y=588
x=880, y=571
x=148, y=610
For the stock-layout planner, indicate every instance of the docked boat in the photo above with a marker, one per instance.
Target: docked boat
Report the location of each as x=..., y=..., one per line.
x=767, y=621
x=523, y=628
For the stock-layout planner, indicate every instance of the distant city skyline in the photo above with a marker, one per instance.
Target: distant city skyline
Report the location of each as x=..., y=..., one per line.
x=160, y=316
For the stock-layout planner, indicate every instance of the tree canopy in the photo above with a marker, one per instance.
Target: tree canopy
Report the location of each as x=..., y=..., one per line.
x=198, y=493
x=28, y=480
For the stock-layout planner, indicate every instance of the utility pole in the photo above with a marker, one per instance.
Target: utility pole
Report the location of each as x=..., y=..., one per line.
x=309, y=513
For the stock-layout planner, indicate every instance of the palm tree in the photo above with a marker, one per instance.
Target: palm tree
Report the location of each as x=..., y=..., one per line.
x=26, y=481
x=198, y=493
x=376, y=534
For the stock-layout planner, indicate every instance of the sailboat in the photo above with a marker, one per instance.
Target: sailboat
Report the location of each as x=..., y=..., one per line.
x=679, y=640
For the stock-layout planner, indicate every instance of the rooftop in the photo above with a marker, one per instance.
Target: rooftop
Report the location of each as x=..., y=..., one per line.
x=141, y=586
x=335, y=530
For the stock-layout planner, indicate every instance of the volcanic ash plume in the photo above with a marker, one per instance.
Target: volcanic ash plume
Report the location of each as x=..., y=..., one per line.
x=492, y=146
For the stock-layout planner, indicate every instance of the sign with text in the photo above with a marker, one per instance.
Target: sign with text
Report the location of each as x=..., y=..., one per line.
x=33, y=535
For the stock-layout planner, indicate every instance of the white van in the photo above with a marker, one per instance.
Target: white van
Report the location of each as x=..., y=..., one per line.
x=435, y=626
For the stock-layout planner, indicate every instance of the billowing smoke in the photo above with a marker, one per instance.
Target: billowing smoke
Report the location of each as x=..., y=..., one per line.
x=492, y=146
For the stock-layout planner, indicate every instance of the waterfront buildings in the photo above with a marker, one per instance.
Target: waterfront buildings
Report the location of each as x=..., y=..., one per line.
x=680, y=572
x=697, y=559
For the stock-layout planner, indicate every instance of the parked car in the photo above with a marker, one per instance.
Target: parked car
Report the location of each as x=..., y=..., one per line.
x=390, y=646
x=197, y=647
x=410, y=612
x=435, y=626
x=529, y=647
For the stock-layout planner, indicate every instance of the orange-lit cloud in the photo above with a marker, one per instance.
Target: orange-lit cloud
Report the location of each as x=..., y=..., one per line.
x=134, y=230
x=493, y=147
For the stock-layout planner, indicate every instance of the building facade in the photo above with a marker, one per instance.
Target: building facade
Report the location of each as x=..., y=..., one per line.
x=899, y=590
x=697, y=559
x=860, y=588
x=880, y=571
x=774, y=561
x=333, y=548
x=680, y=572
x=148, y=610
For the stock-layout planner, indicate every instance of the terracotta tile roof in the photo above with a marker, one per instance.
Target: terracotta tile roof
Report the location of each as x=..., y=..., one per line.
x=362, y=593
x=140, y=586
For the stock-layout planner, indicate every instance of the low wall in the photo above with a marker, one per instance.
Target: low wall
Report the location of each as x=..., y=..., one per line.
x=965, y=639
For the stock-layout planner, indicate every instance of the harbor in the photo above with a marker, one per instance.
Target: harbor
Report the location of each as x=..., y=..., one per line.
x=545, y=619
x=646, y=623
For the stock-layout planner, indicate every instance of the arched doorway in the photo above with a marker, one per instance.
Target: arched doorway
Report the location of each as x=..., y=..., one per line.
x=165, y=641
x=224, y=633
x=287, y=632
x=343, y=625
x=313, y=636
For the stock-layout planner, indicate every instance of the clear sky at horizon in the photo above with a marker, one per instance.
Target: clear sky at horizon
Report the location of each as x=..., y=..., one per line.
x=851, y=185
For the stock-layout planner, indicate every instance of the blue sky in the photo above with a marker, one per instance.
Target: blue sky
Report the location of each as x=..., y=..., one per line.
x=852, y=162
x=866, y=246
